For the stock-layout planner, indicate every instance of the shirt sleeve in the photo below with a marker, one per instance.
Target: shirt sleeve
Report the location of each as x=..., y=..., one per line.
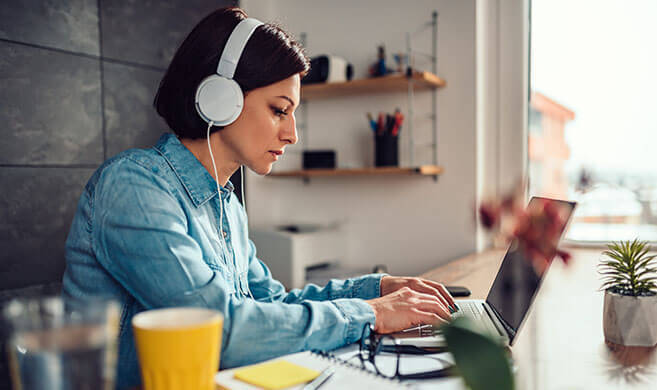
x=140, y=237
x=265, y=288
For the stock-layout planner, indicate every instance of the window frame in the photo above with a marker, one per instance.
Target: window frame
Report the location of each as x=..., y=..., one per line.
x=502, y=71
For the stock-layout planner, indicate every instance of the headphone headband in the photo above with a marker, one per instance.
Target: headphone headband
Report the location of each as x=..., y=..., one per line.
x=219, y=99
x=235, y=45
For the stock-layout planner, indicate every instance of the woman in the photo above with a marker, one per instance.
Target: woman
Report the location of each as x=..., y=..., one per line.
x=150, y=230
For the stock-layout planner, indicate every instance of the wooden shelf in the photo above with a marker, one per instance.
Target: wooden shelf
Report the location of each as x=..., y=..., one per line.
x=426, y=170
x=392, y=83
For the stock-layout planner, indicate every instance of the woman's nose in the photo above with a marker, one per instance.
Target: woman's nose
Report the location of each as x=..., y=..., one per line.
x=289, y=131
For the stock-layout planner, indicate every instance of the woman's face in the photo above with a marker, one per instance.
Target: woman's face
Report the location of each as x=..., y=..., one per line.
x=266, y=125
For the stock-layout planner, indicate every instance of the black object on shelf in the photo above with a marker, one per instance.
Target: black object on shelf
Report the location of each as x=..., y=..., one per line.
x=386, y=150
x=314, y=159
x=328, y=69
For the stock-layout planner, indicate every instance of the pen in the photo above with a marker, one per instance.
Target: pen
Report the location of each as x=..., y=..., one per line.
x=319, y=381
x=370, y=118
x=399, y=119
x=389, y=123
x=379, y=125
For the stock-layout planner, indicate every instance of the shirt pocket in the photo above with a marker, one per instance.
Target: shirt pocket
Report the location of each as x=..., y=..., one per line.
x=216, y=260
x=226, y=275
x=213, y=247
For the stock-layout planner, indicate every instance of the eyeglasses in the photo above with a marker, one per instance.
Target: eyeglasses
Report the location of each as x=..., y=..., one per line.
x=373, y=345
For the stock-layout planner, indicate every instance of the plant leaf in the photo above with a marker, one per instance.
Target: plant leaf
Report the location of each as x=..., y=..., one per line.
x=481, y=361
x=627, y=265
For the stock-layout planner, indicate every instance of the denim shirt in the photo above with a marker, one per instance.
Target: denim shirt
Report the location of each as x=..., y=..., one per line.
x=146, y=233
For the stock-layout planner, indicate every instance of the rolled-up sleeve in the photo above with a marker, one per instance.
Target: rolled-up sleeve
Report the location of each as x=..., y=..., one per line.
x=141, y=238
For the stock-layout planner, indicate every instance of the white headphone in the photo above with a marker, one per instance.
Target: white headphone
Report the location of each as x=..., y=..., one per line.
x=219, y=99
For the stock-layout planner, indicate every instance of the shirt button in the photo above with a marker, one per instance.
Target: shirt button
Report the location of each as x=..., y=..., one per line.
x=225, y=234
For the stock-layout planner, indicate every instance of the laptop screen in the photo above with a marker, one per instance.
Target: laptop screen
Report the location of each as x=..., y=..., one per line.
x=518, y=280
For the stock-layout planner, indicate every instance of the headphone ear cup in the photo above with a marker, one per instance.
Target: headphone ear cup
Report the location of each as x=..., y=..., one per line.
x=219, y=100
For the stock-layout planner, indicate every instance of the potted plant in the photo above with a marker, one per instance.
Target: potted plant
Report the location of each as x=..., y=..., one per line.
x=630, y=303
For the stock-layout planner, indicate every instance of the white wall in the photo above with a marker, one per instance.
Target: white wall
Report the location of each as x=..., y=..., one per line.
x=412, y=224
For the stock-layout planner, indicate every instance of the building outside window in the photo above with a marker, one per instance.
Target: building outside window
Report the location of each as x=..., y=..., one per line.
x=548, y=151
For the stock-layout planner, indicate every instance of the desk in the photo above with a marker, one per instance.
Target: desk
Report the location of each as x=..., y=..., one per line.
x=561, y=345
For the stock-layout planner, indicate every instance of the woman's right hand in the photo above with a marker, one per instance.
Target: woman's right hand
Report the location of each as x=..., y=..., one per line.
x=406, y=308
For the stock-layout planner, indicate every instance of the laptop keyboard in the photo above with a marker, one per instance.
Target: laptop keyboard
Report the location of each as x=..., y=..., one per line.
x=476, y=311
x=469, y=309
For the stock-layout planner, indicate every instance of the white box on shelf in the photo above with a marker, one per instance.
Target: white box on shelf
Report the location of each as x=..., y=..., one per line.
x=287, y=254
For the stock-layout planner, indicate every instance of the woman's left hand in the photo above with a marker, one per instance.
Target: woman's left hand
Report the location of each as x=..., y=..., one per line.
x=390, y=284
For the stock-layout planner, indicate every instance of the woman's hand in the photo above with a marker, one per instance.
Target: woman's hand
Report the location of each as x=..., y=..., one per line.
x=390, y=284
x=405, y=308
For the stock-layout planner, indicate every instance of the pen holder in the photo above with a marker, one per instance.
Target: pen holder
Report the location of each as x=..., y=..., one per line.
x=386, y=150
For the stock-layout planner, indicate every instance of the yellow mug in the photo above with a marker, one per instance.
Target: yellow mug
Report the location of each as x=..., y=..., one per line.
x=178, y=348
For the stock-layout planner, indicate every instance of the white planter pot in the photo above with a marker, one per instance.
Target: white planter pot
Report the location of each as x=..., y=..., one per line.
x=630, y=321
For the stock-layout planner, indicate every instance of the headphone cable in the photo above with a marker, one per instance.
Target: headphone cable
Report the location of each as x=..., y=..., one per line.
x=216, y=179
x=221, y=203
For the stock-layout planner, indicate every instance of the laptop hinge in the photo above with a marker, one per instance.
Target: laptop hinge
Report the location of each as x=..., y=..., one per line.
x=507, y=329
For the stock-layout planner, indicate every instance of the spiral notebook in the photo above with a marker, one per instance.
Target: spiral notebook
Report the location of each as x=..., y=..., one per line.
x=346, y=375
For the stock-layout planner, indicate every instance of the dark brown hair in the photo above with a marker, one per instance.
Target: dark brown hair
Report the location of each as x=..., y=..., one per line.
x=269, y=56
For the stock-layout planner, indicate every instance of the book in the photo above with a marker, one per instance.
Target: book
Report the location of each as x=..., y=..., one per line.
x=346, y=375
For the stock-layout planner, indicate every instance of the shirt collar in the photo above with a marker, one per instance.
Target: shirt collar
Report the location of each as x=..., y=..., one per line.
x=198, y=182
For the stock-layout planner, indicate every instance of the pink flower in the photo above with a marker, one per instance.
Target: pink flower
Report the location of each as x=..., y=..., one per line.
x=490, y=215
x=537, y=229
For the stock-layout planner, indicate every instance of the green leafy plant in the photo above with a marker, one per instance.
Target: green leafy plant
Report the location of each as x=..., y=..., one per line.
x=628, y=269
x=482, y=362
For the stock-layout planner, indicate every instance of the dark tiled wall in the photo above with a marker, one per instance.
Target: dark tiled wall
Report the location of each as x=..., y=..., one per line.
x=77, y=81
x=128, y=93
x=70, y=25
x=35, y=214
x=49, y=107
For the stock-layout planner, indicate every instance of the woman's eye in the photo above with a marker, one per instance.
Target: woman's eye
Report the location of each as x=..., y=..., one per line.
x=279, y=112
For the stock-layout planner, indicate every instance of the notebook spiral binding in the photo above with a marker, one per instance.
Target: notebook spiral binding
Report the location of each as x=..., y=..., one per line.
x=344, y=363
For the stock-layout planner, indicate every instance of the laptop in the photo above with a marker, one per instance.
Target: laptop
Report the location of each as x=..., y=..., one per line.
x=509, y=299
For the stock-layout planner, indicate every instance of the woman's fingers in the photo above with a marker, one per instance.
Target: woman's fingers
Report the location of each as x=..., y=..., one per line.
x=435, y=289
x=442, y=290
x=407, y=307
x=391, y=284
x=427, y=317
x=446, y=294
x=434, y=308
x=429, y=303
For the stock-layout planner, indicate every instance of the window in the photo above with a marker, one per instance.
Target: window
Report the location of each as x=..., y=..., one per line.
x=592, y=80
x=535, y=122
x=536, y=181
